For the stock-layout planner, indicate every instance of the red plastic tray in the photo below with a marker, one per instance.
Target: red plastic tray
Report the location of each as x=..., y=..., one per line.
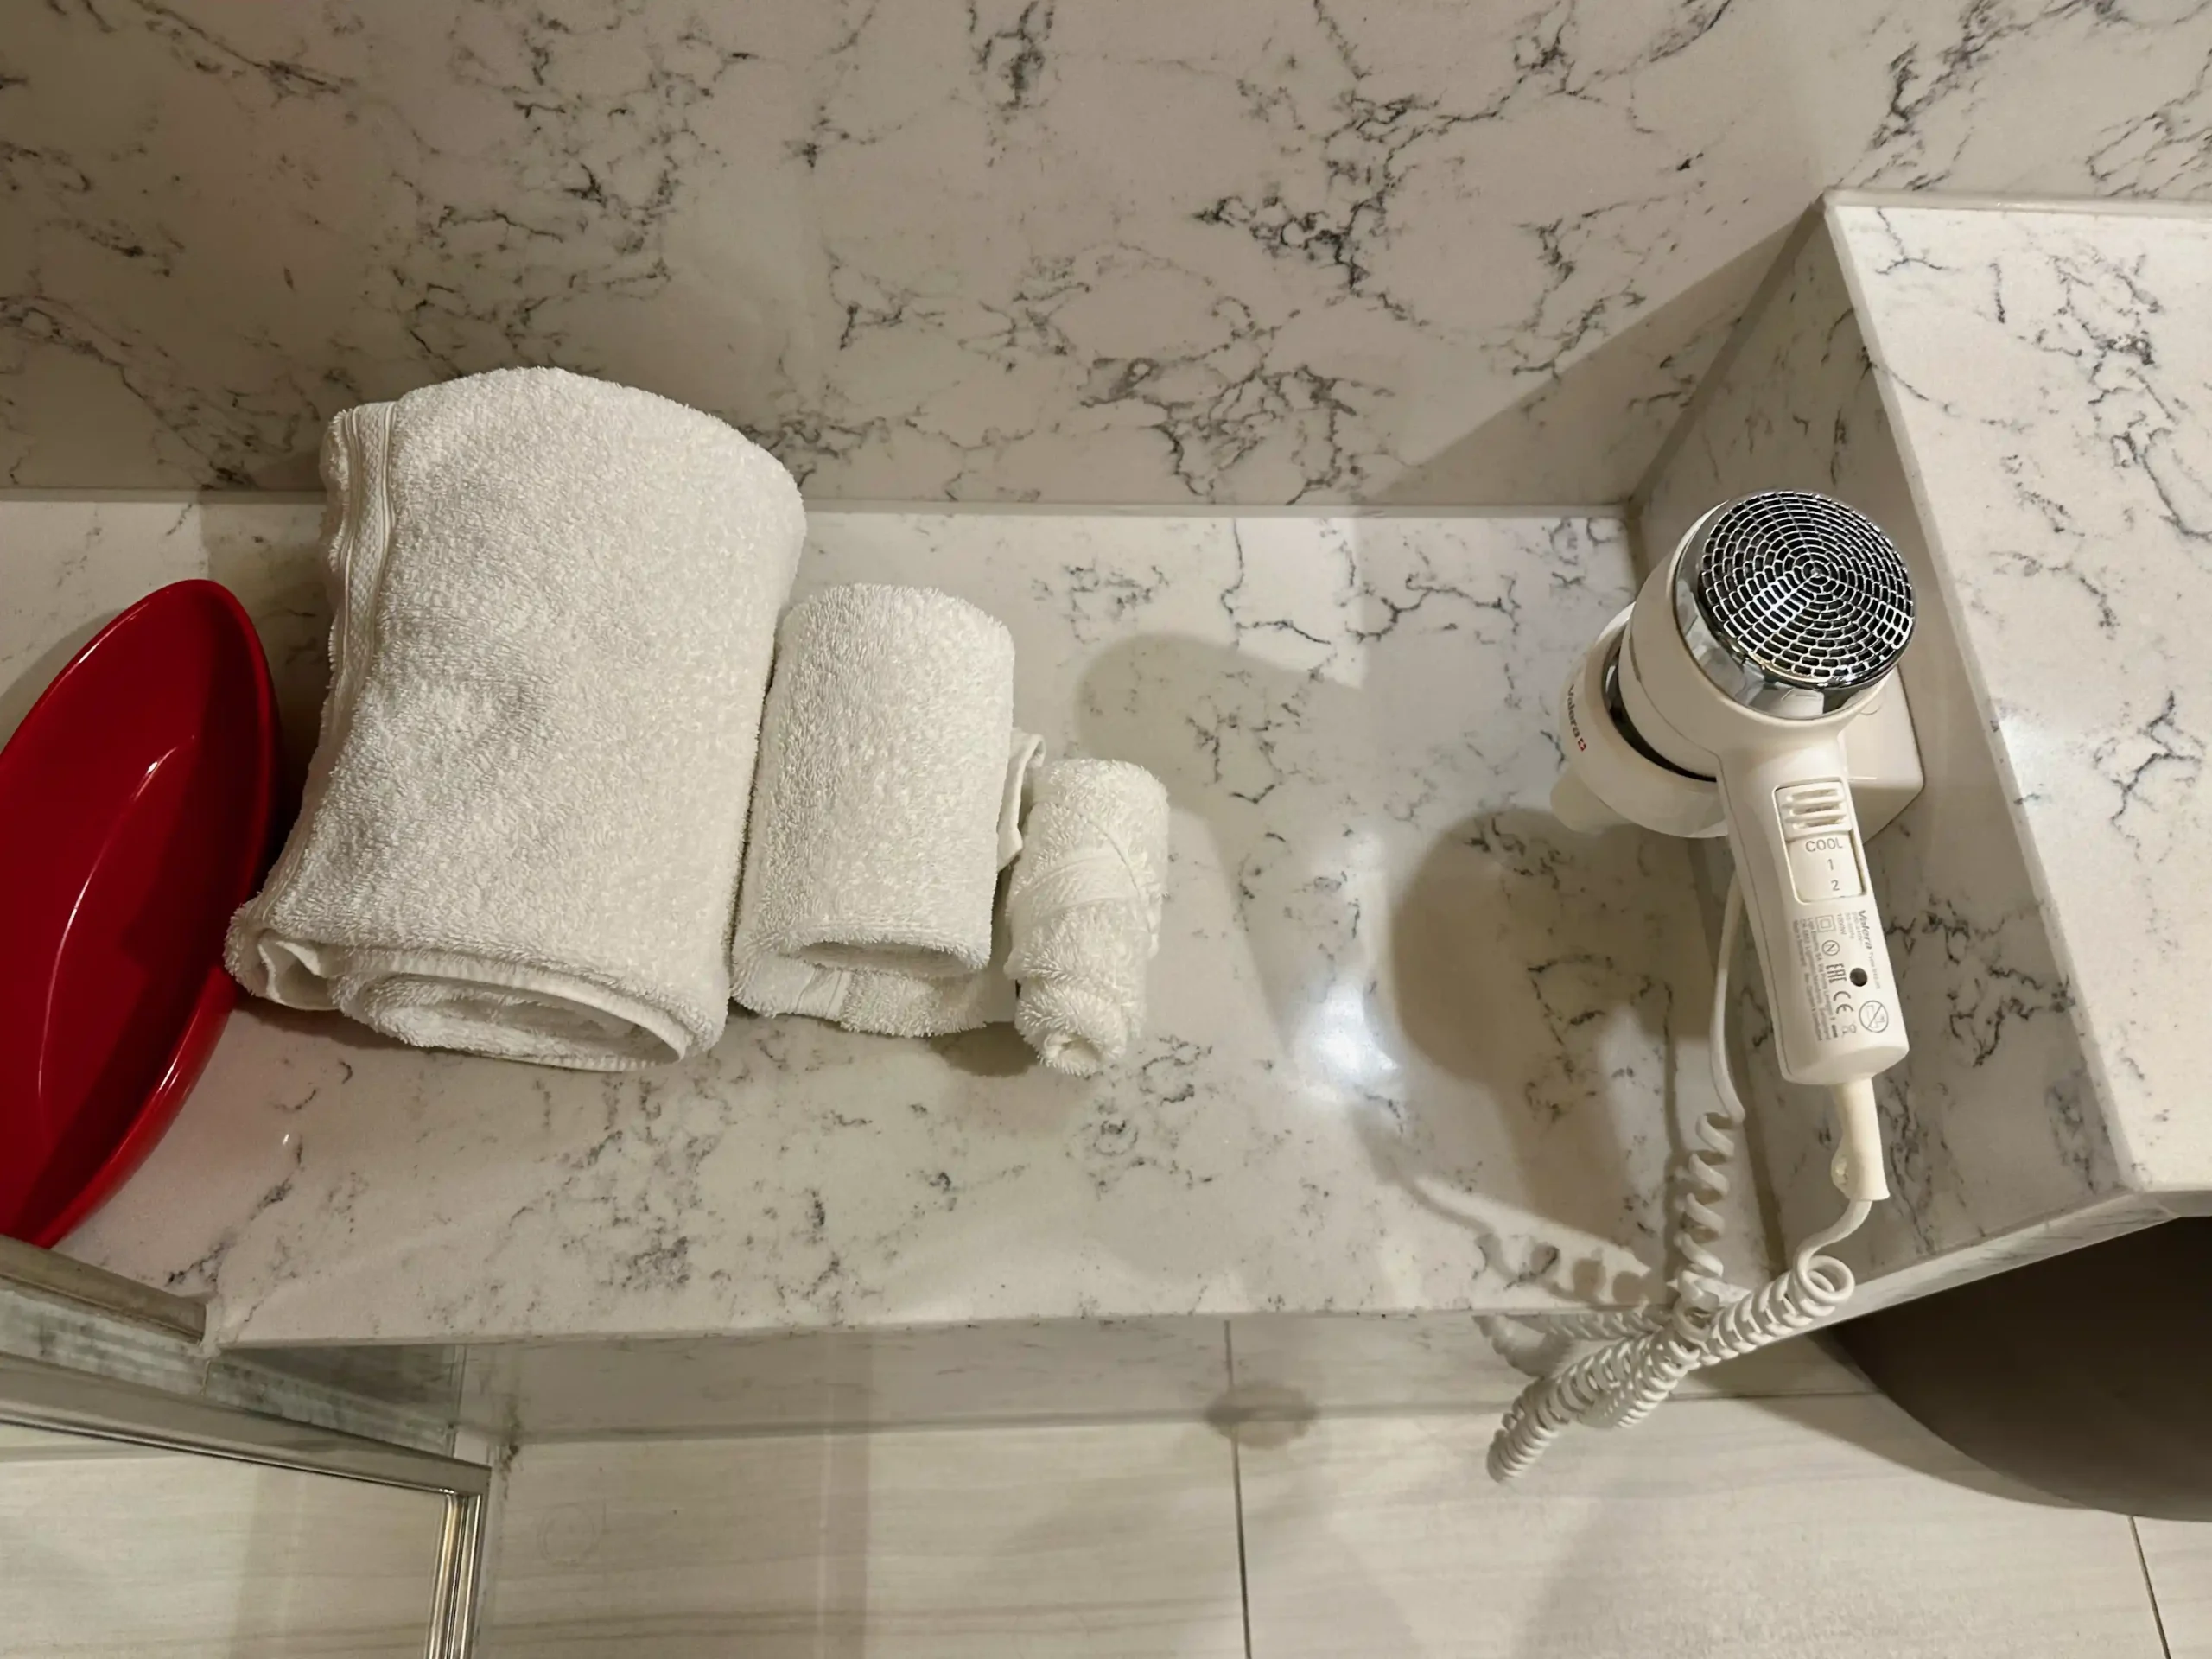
x=135, y=802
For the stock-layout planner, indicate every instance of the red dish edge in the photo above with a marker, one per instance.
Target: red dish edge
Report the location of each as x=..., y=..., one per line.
x=218, y=993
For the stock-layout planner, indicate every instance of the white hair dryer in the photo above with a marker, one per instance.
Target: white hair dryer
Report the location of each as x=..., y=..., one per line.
x=1719, y=703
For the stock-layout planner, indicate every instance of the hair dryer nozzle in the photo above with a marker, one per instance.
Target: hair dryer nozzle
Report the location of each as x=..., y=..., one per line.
x=1575, y=804
x=1793, y=603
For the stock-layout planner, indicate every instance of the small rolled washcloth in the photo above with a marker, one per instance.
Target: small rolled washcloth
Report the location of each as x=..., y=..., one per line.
x=556, y=603
x=1083, y=910
x=888, y=760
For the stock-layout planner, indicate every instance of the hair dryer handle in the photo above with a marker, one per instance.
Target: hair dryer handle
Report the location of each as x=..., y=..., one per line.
x=1810, y=905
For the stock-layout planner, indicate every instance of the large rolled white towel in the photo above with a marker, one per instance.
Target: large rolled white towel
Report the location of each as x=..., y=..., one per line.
x=1083, y=910
x=888, y=758
x=555, y=604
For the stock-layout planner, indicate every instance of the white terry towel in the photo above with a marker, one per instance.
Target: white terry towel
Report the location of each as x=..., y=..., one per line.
x=888, y=757
x=1083, y=910
x=555, y=604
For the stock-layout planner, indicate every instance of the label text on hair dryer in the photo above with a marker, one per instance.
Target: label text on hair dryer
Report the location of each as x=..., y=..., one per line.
x=1826, y=867
x=1838, y=975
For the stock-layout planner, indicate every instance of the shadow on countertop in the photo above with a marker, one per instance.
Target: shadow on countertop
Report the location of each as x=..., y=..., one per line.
x=1500, y=981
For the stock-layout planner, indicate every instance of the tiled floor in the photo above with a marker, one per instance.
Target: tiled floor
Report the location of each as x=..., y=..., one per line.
x=125, y=1551
x=1720, y=1527
x=1784, y=1529
x=2179, y=1558
x=1093, y=1543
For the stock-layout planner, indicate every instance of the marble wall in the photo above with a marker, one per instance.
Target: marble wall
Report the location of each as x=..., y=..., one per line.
x=1253, y=251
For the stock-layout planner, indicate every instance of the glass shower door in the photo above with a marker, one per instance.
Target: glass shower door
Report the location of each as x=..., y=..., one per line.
x=158, y=1497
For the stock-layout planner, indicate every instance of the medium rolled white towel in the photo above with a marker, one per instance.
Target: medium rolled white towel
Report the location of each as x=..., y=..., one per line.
x=887, y=757
x=1083, y=910
x=556, y=603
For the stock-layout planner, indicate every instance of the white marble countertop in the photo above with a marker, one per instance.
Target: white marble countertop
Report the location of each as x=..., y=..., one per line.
x=1412, y=1046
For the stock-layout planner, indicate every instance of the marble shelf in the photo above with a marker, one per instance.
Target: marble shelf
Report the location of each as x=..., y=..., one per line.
x=1413, y=1048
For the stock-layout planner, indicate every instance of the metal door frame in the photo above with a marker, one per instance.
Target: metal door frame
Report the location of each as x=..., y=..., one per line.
x=84, y=1352
x=35, y=1395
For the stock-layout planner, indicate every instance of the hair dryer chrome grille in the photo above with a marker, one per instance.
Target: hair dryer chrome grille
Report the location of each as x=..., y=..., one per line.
x=1791, y=602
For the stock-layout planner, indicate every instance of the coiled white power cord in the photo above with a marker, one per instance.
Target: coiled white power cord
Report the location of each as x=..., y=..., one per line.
x=1647, y=1352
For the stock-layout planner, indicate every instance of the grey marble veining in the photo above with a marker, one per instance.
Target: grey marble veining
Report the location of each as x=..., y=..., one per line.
x=2050, y=378
x=1410, y=1046
x=2009, y=392
x=1160, y=251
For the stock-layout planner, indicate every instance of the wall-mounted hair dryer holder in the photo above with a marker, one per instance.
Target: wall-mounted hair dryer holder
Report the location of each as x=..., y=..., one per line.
x=1879, y=749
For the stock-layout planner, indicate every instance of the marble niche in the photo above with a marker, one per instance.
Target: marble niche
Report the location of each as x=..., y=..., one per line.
x=2018, y=395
